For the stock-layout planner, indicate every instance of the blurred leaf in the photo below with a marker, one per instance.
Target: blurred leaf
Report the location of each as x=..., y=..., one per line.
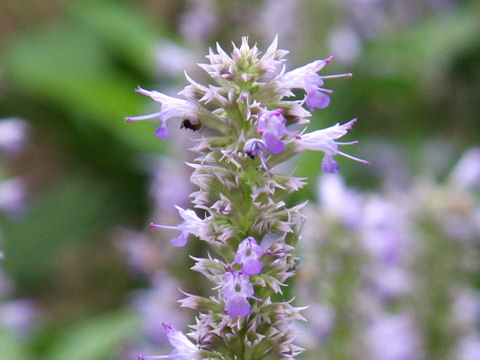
x=12, y=347
x=122, y=29
x=74, y=211
x=424, y=51
x=95, y=339
x=69, y=65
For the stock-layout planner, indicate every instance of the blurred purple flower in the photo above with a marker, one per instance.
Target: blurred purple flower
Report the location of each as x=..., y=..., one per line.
x=248, y=255
x=166, y=173
x=322, y=318
x=469, y=348
x=158, y=304
x=392, y=337
x=466, y=308
x=139, y=251
x=172, y=59
x=12, y=196
x=345, y=43
x=18, y=316
x=385, y=230
x=390, y=281
x=276, y=12
x=467, y=171
x=340, y=201
x=199, y=21
x=13, y=132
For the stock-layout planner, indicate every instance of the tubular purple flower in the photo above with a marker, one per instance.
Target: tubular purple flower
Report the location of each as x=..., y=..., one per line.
x=324, y=140
x=306, y=78
x=192, y=224
x=171, y=108
x=271, y=125
x=184, y=349
x=236, y=290
x=248, y=255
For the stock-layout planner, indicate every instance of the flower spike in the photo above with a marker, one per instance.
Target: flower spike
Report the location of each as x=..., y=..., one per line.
x=247, y=111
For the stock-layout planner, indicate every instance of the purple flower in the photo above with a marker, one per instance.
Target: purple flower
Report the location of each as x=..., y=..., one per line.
x=392, y=337
x=340, y=201
x=322, y=318
x=236, y=290
x=13, y=133
x=306, y=78
x=171, y=108
x=199, y=21
x=324, y=140
x=466, y=173
x=192, y=224
x=385, y=231
x=156, y=304
x=469, y=348
x=12, y=196
x=19, y=316
x=184, y=349
x=271, y=125
x=247, y=255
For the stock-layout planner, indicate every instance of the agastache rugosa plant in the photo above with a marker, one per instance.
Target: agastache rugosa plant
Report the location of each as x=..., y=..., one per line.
x=248, y=113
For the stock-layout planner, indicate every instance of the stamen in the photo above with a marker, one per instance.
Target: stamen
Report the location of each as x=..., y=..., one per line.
x=155, y=225
x=365, y=162
x=328, y=91
x=347, y=142
x=142, y=117
x=145, y=357
x=335, y=76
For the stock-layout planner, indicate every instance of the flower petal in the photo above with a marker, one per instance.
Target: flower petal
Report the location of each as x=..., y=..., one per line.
x=238, y=306
x=162, y=131
x=317, y=100
x=272, y=143
x=252, y=266
x=180, y=240
x=329, y=165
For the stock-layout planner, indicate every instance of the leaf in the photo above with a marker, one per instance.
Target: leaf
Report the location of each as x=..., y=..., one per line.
x=98, y=338
x=12, y=347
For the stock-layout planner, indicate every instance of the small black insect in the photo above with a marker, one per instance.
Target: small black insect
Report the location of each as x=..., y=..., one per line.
x=187, y=124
